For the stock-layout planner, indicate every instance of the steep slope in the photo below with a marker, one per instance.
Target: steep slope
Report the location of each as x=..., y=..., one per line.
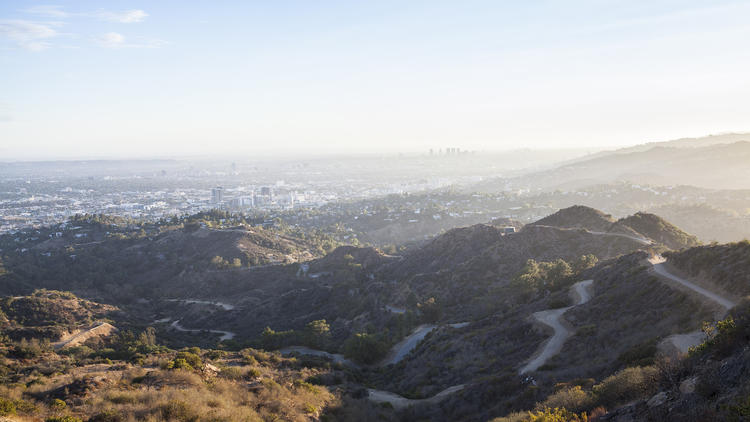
x=448, y=250
x=629, y=312
x=656, y=228
x=726, y=266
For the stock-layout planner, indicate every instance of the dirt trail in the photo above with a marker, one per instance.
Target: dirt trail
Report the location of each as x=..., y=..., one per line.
x=641, y=240
x=399, y=402
x=225, y=335
x=401, y=349
x=302, y=350
x=683, y=342
x=101, y=330
x=553, y=318
x=660, y=268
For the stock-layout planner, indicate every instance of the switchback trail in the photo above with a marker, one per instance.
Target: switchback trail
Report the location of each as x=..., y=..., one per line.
x=553, y=318
x=397, y=353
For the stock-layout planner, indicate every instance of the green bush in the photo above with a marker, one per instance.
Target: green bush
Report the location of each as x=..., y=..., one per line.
x=28, y=349
x=573, y=398
x=555, y=415
x=232, y=373
x=187, y=360
x=58, y=405
x=108, y=416
x=627, y=385
x=67, y=418
x=7, y=407
x=215, y=354
x=178, y=410
x=25, y=407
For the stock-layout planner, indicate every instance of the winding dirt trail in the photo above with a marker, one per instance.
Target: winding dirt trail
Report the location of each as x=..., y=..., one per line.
x=225, y=335
x=399, y=402
x=302, y=350
x=397, y=353
x=683, y=342
x=553, y=318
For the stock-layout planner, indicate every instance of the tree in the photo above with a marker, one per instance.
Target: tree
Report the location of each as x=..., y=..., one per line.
x=365, y=348
x=557, y=272
x=584, y=262
x=317, y=333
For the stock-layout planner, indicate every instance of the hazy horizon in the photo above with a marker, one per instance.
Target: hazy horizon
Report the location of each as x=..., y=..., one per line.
x=168, y=79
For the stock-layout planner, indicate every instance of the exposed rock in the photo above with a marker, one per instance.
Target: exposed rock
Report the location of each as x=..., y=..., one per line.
x=657, y=400
x=209, y=370
x=688, y=386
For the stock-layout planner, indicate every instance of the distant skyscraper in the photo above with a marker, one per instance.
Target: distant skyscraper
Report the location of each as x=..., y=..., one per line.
x=217, y=194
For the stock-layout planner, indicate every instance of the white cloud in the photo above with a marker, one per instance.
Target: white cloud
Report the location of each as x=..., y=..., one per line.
x=122, y=16
x=111, y=40
x=116, y=40
x=28, y=34
x=125, y=16
x=51, y=11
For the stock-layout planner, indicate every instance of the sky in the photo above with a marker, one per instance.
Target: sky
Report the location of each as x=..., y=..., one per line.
x=91, y=79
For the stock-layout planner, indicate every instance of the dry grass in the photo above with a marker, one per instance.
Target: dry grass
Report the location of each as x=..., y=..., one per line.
x=131, y=393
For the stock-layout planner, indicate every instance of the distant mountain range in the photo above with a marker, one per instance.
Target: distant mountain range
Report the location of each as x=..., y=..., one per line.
x=717, y=162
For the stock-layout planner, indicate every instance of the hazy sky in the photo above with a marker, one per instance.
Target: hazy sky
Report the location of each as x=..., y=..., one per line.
x=108, y=78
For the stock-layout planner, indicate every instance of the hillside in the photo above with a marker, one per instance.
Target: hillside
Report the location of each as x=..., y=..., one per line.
x=725, y=266
x=719, y=166
x=578, y=216
x=129, y=376
x=655, y=228
x=708, y=222
x=449, y=249
x=49, y=314
x=104, y=259
x=638, y=226
x=458, y=311
x=711, y=384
